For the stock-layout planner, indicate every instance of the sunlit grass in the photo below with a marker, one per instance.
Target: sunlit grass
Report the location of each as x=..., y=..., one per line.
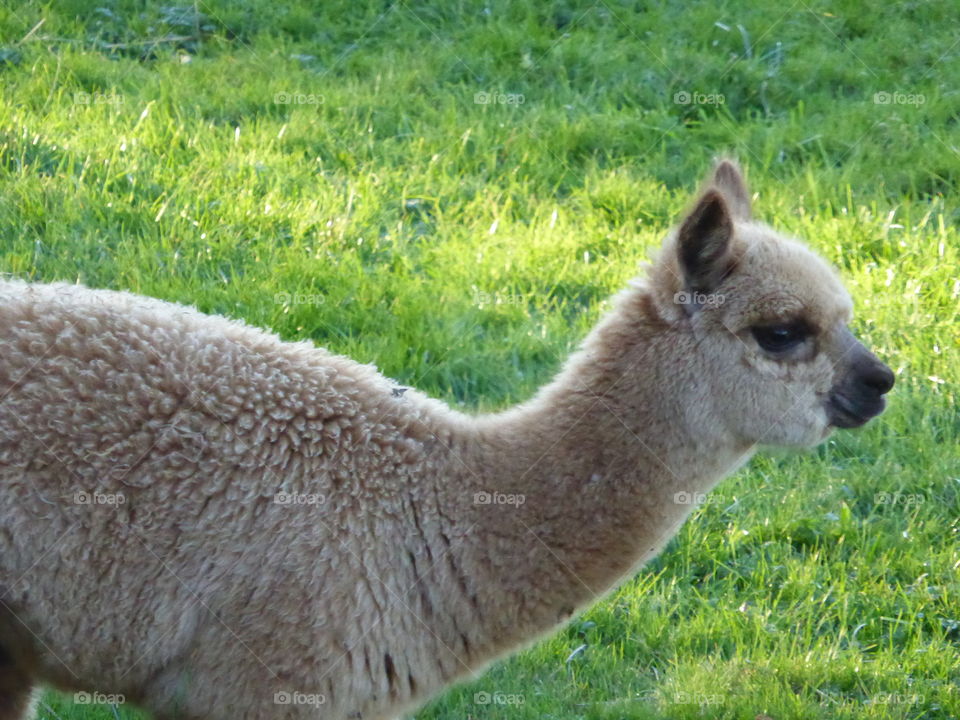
x=325, y=170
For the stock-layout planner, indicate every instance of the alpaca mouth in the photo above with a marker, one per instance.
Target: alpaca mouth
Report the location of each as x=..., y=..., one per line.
x=843, y=412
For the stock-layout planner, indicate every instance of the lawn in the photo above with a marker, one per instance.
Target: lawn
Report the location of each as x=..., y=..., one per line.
x=452, y=191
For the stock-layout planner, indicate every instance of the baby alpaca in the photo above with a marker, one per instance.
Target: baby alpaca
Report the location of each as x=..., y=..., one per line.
x=213, y=523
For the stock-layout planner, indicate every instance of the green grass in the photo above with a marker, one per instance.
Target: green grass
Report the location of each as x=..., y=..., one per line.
x=465, y=248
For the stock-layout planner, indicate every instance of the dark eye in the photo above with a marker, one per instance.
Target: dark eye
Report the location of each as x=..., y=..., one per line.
x=780, y=338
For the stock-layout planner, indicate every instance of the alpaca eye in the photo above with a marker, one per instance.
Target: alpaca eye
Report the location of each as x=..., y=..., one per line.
x=780, y=338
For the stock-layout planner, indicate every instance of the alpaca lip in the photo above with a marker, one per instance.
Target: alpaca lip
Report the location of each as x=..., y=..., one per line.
x=844, y=413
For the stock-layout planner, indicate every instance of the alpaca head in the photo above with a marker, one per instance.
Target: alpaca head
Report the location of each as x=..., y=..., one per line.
x=768, y=349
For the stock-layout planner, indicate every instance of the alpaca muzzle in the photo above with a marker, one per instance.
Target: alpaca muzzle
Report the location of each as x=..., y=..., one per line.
x=859, y=396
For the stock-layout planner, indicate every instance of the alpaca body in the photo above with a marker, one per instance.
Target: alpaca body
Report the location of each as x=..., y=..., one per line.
x=196, y=486
x=214, y=523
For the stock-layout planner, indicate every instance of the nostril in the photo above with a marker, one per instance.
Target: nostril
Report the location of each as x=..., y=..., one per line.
x=879, y=377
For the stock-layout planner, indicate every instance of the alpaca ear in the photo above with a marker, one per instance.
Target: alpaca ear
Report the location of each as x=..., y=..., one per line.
x=728, y=179
x=703, y=243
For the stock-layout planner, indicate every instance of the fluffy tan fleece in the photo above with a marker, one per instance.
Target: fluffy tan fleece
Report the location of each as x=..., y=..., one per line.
x=214, y=523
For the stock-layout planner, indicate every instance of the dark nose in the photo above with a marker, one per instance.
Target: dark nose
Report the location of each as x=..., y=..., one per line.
x=878, y=377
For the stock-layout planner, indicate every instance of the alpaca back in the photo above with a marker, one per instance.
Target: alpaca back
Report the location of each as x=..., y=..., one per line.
x=193, y=469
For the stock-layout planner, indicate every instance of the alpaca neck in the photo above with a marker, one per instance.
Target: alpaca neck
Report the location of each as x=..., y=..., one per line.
x=593, y=476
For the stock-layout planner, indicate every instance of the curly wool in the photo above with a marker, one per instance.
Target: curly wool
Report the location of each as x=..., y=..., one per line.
x=172, y=470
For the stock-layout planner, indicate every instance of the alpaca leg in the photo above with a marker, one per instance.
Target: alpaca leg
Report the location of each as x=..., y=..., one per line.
x=16, y=688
